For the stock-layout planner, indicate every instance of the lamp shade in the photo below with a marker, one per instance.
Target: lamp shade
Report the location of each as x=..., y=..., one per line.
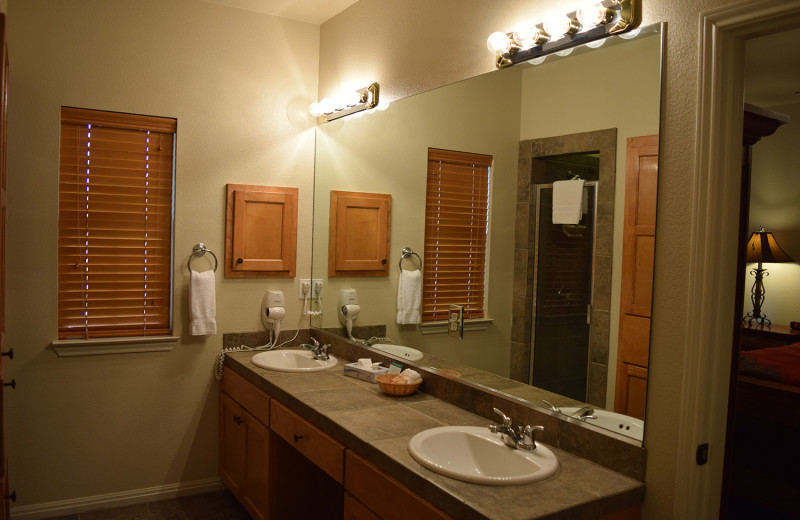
x=762, y=247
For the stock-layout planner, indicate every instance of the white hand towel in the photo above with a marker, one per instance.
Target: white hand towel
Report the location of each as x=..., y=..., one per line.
x=409, y=290
x=567, y=201
x=412, y=376
x=202, y=303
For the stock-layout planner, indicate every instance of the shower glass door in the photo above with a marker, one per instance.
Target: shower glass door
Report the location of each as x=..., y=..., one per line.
x=564, y=266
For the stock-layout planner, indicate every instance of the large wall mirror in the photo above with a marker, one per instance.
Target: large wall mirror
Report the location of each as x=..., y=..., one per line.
x=551, y=324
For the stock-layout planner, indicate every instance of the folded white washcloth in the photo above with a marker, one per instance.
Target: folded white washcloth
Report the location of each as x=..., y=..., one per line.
x=409, y=290
x=202, y=303
x=567, y=201
x=412, y=376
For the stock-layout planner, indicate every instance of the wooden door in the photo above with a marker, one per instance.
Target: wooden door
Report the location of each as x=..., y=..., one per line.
x=4, y=510
x=638, y=248
x=232, y=445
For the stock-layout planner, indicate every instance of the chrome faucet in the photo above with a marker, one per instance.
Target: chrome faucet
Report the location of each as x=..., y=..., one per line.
x=584, y=413
x=521, y=438
x=319, y=351
x=551, y=407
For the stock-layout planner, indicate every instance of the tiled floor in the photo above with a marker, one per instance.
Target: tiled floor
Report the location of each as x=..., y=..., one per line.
x=206, y=506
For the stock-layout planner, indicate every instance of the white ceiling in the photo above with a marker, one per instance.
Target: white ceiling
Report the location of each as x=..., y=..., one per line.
x=311, y=11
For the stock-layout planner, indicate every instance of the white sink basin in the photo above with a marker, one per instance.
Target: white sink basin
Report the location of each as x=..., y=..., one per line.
x=474, y=454
x=624, y=424
x=400, y=351
x=292, y=361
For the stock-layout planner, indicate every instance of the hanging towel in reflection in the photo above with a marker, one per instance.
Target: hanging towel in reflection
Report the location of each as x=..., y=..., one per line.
x=567, y=201
x=409, y=290
x=202, y=303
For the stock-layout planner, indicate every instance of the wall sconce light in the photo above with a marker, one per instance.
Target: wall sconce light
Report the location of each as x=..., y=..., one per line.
x=346, y=103
x=560, y=32
x=762, y=247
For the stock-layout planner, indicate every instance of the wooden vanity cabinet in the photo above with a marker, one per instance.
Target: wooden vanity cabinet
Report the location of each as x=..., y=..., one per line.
x=244, y=443
x=371, y=494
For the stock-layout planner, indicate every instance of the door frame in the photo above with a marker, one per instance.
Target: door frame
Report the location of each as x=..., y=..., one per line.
x=714, y=242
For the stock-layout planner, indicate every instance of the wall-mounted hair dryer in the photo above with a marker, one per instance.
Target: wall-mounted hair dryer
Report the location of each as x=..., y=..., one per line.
x=348, y=309
x=272, y=312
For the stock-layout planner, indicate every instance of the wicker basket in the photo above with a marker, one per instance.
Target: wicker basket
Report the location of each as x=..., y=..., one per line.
x=396, y=388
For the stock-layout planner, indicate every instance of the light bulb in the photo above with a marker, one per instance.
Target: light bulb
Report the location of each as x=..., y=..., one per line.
x=326, y=105
x=353, y=98
x=524, y=34
x=592, y=15
x=498, y=43
x=538, y=61
x=557, y=25
x=315, y=109
x=595, y=44
x=630, y=34
x=565, y=52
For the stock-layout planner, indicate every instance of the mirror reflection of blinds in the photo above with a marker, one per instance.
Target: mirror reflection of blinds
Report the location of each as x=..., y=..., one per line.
x=115, y=224
x=456, y=227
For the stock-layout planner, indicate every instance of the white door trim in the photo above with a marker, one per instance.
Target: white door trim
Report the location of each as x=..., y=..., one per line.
x=713, y=244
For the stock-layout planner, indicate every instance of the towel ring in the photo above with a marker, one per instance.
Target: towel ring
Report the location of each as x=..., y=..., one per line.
x=407, y=253
x=200, y=249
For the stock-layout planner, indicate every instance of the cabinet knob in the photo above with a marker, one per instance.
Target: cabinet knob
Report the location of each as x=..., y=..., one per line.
x=12, y=496
x=9, y=354
x=297, y=437
x=237, y=419
x=12, y=384
x=383, y=262
x=239, y=261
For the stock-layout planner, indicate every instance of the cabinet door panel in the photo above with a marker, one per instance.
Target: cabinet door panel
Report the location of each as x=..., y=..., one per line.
x=355, y=510
x=232, y=444
x=255, y=486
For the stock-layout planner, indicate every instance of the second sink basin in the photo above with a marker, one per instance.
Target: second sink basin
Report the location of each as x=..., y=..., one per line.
x=474, y=454
x=292, y=361
x=402, y=351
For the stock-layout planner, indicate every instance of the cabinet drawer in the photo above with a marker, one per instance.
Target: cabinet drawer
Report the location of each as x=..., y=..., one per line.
x=246, y=394
x=384, y=495
x=317, y=446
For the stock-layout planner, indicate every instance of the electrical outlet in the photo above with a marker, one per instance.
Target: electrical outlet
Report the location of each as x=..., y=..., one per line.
x=304, y=291
x=310, y=288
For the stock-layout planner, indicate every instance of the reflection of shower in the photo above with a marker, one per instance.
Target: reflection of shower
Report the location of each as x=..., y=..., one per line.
x=562, y=286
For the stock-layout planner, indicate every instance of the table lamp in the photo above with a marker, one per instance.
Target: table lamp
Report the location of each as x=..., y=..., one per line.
x=762, y=248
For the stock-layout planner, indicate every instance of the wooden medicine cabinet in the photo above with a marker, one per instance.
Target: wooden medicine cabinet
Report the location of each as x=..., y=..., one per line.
x=359, y=234
x=260, y=231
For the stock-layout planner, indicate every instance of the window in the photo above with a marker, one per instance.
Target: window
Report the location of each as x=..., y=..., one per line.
x=456, y=228
x=115, y=224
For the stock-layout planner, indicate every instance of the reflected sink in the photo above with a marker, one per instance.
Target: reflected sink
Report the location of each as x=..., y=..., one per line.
x=620, y=423
x=291, y=361
x=474, y=454
x=400, y=351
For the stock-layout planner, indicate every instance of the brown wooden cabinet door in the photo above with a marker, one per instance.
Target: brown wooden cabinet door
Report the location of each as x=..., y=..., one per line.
x=355, y=510
x=358, y=244
x=260, y=231
x=638, y=248
x=255, y=486
x=232, y=444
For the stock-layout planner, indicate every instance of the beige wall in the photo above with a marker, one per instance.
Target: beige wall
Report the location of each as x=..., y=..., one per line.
x=773, y=204
x=239, y=84
x=415, y=45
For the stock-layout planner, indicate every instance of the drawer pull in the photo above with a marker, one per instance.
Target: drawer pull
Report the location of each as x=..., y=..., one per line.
x=297, y=437
x=10, y=353
x=12, y=496
x=12, y=384
x=237, y=420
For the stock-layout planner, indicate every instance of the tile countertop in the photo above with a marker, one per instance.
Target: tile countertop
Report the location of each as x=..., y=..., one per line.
x=378, y=427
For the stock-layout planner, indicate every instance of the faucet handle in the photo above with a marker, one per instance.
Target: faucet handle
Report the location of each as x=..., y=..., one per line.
x=506, y=419
x=314, y=341
x=529, y=432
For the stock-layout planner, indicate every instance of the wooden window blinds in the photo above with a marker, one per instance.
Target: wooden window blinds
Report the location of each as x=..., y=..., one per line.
x=115, y=224
x=456, y=222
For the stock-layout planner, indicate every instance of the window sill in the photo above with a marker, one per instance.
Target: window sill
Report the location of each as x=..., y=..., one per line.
x=440, y=327
x=94, y=347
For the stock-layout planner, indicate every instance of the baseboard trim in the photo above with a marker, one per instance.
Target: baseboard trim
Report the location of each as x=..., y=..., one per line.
x=123, y=498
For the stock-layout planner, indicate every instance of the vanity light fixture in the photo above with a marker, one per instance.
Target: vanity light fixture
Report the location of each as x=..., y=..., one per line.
x=346, y=103
x=559, y=33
